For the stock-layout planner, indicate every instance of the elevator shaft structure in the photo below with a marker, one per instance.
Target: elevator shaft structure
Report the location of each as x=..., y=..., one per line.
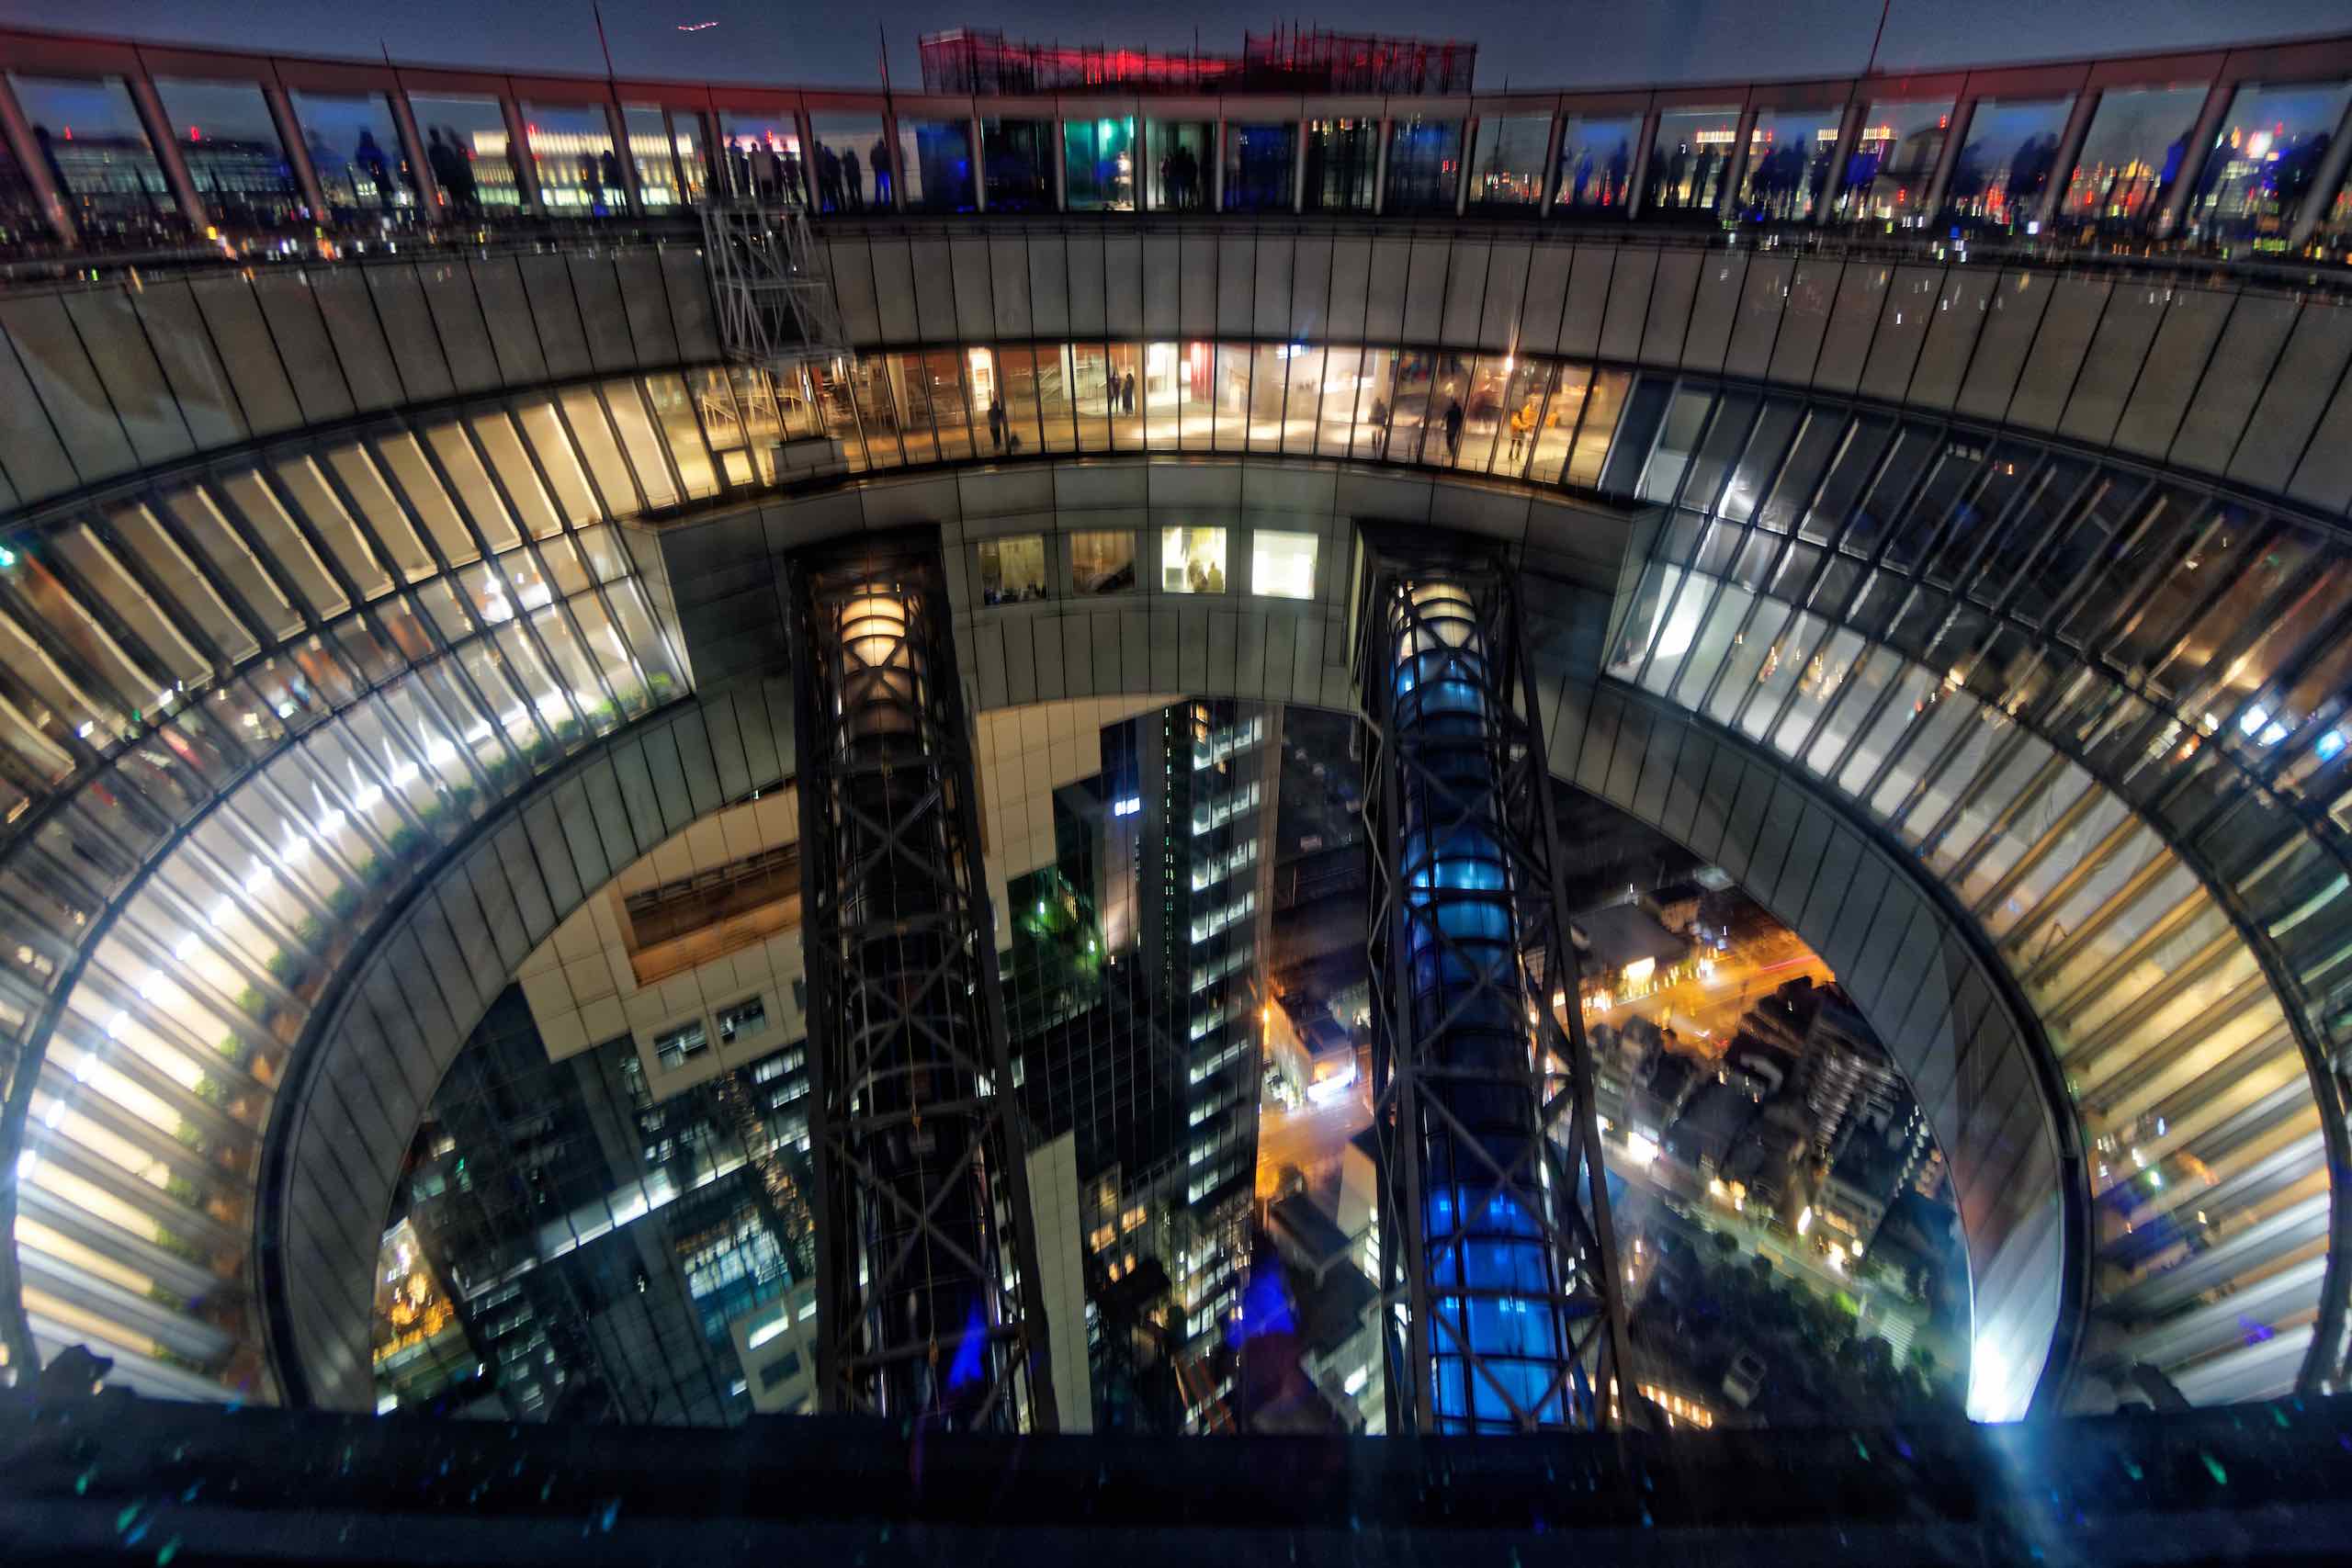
x=1494, y=1206
x=930, y=1306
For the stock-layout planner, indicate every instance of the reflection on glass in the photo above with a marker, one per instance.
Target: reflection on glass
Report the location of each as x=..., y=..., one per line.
x=854, y=162
x=1895, y=157
x=356, y=150
x=658, y=158
x=1260, y=167
x=760, y=156
x=937, y=156
x=1789, y=155
x=465, y=148
x=1281, y=565
x=1688, y=160
x=1506, y=166
x=1597, y=163
x=1182, y=157
x=1013, y=571
x=1099, y=164
x=1342, y=158
x=97, y=152
x=2004, y=167
x=572, y=160
x=2132, y=154
x=2266, y=159
x=1424, y=165
x=1191, y=561
x=1102, y=561
x=229, y=143
x=1019, y=158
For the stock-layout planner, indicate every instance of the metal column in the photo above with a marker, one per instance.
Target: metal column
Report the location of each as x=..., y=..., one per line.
x=930, y=1309
x=1495, y=1225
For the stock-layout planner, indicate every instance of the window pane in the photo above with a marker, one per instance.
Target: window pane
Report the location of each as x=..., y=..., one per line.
x=355, y=150
x=1098, y=164
x=1191, y=561
x=98, y=152
x=465, y=143
x=2266, y=159
x=229, y=145
x=2006, y=164
x=1103, y=562
x=1012, y=571
x=650, y=149
x=1506, y=168
x=2130, y=156
x=1893, y=159
x=1282, y=566
x=1259, y=168
x=1342, y=158
x=1689, y=159
x=937, y=156
x=571, y=158
x=1595, y=163
x=1424, y=165
x=763, y=158
x=1182, y=150
x=852, y=162
x=1019, y=157
x=1789, y=153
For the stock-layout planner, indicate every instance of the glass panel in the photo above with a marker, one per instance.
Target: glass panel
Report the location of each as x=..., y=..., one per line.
x=937, y=156
x=1191, y=561
x=1013, y=571
x=1103, y=562
x=653, y=154
x=465, y=144
x=1895, y=157
x=1342, y=161
x=98, y=154
x=571, y=158
x=2005, y=166
x=2266, y=159
x=2130, y=156
x=1303, y=402
x=1126, y=395
x=1602, y=410
x=229, y=145
x=1557, y=426
x=1688, y=160
x=1424, y=165
x=1099, y=164
x=1282, y=566
x=1595, y=163
x=1259, y=166
x=21, y=217
x=675, y=411
x=1789, y=155
x=692, y=164
x=355, y=148
x=854, y=162
x=1019, y=157
x=1507, y=163
x=1182, y=150
x=763, y=158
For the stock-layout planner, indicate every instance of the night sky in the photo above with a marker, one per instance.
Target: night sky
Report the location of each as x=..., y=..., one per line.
x=1535, y=42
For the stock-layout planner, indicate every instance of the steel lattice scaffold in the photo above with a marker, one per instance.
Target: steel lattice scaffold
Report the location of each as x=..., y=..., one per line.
x=927, y=1275
x=776, y=304
x=1494, y=1213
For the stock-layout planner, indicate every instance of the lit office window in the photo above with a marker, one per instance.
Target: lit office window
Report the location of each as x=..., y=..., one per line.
x=1103, y=562
x=1191, y=561
x=1013, y=571
x=746, y=1020
x=674, y=1048
x=1282, y=566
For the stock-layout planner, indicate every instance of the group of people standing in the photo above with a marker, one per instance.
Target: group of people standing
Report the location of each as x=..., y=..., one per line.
x=1180, y=179
x=841, y=181
x=453, y=171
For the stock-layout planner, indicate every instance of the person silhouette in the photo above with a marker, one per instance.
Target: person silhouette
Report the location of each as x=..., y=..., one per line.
x=461, y=163
x=878, y=159
x=608, y=170
x=996, y=422
x=371, y=162
x=852, y=180
x=443, y=160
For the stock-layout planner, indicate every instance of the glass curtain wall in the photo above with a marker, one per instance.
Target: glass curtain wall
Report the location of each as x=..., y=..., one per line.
x=466, y=146
x=1261, y=171
x=1789, y=155
x=2006, y=165
x=657, y=160
x=1099, y=158
x=89, y=135
x=1507, y=164
x=1342, y=161
x=1019, y=164
x=2264, y=162
x=761, y=155
x=1597, y=165
x=2132, y=154
x=854, y=164
x=1424, y=165
x=355, y=147
x=1894, y=159
x=574, y=162
x=229, y=145
x=1182, y=163
x=1689, y=160
x=937, y=156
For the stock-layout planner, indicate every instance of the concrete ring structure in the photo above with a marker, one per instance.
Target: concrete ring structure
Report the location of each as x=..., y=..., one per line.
x=1985, y=614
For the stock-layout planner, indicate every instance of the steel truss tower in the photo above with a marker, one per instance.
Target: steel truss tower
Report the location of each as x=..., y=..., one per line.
x=931, y=1310
x=1494, y=1208
x=776, y=304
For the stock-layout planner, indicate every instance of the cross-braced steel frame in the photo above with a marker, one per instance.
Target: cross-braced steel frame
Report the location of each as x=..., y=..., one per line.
x=775, y=305
x=930, y=1311
x=1495, y=1226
